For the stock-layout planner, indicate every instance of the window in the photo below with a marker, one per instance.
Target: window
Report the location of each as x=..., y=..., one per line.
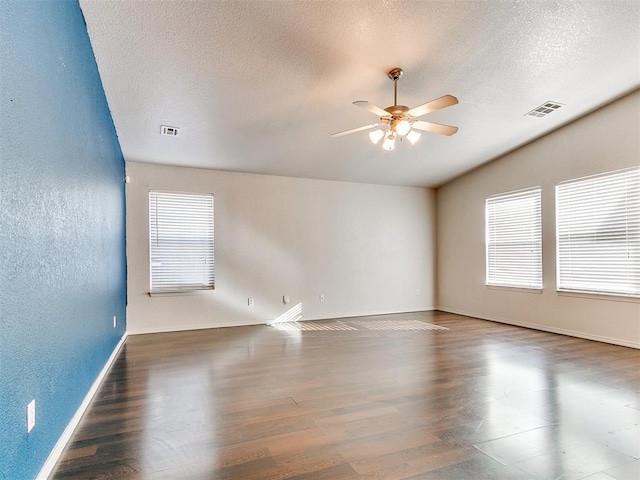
x=180, y=241
x=514, y=239
x=598, y=233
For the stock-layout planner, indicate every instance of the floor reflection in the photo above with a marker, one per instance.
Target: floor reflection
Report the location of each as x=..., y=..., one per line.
x=585, y=426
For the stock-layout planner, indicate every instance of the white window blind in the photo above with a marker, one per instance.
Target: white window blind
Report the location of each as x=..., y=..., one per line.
x=514, y=239
x=181, y=241
x=598, y=233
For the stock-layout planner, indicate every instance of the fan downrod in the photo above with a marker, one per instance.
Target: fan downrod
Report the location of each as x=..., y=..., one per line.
x=394, y=75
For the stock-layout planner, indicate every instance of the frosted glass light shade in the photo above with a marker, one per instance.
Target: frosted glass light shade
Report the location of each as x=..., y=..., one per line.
x=376, y=135
x=413, y=136
x=403, y=127
x=389, y=143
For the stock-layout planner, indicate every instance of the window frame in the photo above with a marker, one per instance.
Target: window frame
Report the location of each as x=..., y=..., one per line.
x=492, y=272
x=204, y=248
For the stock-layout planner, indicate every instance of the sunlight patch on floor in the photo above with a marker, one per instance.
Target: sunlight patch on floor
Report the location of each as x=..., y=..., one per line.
x=397, y=325
x=313, y=326
x=330, y=325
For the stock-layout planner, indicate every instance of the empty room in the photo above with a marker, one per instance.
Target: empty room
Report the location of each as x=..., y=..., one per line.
x=319, y=239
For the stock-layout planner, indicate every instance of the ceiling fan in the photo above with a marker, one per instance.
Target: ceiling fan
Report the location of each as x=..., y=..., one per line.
x=401, y=121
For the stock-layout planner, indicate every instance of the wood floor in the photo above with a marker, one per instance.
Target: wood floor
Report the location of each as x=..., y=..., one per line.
x=477, y=401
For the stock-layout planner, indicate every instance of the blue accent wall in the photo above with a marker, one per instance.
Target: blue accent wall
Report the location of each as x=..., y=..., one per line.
x=62, y=230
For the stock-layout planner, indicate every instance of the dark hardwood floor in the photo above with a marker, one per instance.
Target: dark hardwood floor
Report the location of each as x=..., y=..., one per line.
x=367, y=398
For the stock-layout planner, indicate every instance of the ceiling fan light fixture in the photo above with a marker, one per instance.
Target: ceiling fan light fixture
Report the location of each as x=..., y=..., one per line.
x=413, y=136
x=376, y=135
x=403, y=127
x=400, y=120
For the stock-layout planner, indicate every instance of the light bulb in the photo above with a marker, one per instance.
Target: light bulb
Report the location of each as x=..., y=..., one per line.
x=389, y=142
x=403, y=127
x=376, y=135
x=413, y=136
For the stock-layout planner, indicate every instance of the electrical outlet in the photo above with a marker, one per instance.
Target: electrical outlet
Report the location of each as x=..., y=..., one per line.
x=322, y=297
x=417, y=292
x=286, y=299
x=115, y=321
x=250, y=302
x=31, y=415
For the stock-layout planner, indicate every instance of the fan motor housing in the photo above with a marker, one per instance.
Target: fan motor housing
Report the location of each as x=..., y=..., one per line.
x=397, y=110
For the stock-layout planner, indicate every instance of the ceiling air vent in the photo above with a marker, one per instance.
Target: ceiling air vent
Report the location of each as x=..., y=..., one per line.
x=544, y=109
x=169, y=131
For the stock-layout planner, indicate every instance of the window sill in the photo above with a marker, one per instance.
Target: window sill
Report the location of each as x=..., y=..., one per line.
x=180, y=293
x=621, y=297
x=514, y=289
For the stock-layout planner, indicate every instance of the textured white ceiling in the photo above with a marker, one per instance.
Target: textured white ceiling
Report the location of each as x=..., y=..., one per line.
x=259, y=86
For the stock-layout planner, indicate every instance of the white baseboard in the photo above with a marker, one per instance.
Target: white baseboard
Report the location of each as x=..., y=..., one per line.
x=58, y=448
x=182, y=328
x=187, y=328
x=544, y=328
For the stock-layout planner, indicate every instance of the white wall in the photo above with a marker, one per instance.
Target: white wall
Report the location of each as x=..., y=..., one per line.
x=369, y=249
x=606, y=140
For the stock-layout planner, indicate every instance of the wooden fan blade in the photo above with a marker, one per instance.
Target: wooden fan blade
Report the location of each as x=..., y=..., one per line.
x=434, y=127
x=354, y=130
x=372, y=108
x=442, y=102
